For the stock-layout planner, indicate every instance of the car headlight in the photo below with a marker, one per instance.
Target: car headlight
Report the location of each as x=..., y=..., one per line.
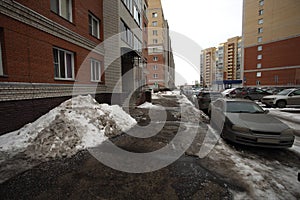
x=240, y=128
x=288, y=132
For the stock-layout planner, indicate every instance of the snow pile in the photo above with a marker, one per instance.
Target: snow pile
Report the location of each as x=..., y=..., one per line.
x=148, y=105
x=76, y=124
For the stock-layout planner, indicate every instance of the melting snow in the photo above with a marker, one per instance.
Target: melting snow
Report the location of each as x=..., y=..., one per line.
x=76, y=124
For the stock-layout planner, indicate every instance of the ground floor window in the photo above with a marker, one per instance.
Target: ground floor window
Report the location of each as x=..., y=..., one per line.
x=1, y=62
x=95, y=70
x=63, y=64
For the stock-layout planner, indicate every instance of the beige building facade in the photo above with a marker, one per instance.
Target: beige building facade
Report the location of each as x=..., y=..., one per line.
x=271, y=38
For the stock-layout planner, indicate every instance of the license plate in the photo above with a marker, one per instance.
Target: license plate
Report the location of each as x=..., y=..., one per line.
x=266, y=140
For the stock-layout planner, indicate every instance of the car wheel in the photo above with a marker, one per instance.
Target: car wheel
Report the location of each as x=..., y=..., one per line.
x=281, y=104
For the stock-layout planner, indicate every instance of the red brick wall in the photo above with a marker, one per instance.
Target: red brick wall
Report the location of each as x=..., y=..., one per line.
x=80, y=14
x=283, y=53
x=28, y=52
x=160, y=69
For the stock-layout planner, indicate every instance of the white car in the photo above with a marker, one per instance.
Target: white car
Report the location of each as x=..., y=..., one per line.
x=283, y=98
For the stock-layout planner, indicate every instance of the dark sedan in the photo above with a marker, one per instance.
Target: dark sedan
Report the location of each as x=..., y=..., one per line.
x=204, y=98
x=245, y=122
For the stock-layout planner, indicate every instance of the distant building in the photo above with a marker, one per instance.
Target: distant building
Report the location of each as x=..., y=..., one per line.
x=208, y=67
x=160, y=59
x=271, y=40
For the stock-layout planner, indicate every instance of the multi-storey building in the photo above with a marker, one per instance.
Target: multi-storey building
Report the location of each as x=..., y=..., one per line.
x=232, y=59
x=160, y=60
x=208, y=67
x=271, y=37
x=45, y=45
x=123, y=34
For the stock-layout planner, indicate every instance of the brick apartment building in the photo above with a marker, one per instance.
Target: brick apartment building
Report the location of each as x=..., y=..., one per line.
x=271, y=37
x=48, y=47
x=161, y=66
x=208, y=67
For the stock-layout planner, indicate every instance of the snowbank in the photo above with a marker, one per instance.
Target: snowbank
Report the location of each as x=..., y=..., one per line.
x=76, y=124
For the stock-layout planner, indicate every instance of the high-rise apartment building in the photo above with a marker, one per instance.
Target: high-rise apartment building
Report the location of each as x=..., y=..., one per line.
x=160, y=59
x=271, y=37
x=208, y=66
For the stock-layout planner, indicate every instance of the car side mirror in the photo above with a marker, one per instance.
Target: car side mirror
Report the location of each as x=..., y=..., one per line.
x=266, y=111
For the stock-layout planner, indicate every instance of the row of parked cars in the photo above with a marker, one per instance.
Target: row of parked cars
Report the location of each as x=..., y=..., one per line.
x=241, y=120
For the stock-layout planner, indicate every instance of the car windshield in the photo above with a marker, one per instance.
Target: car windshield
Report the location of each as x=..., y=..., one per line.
x=243, y=107
x=284, y=92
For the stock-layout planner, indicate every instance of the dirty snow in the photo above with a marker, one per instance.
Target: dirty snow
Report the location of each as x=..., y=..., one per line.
x=151, y=106
x=76, y=124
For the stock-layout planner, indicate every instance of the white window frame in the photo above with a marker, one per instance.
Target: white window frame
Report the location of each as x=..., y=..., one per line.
x=154, y=23
x=65, y=64
x=155, y=76
x=155, y=58
x=260, y=21
x=261, y=12
x=1, y=61
x=258, y=66
x=155, y=32
x=95, y=70
x=259, y=57
x=259, y=48
x=154, y=15
x=126, y=34
x=258, y=74
x=260, y=30
x=92, y=19
x=259, y=39
x=154, y=67
x=261, y=2
x=59, y=12
x=155, y=41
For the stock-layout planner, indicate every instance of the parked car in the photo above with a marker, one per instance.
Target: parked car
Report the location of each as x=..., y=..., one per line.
x=283, y=98
x=232, y=92
x=245, y=122
x=252, y=94
x=204, y=98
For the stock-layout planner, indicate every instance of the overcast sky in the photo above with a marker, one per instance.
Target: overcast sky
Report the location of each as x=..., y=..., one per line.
x=206, y=22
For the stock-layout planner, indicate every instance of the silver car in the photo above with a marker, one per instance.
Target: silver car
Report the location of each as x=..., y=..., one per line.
x=283, y=98
x=245, y=122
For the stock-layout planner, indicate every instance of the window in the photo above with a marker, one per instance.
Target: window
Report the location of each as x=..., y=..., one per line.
x=155, y=67
x=137, y=15
x=259, y=39
x=128, y=4
x=155, y=58
x=258, y=65
x=155, y=32
x=154, y=15
x=154, y=23
x=258, y=74
x=260, y=30
x=155, y=41
x=63, y=8
x=95, y=70
x=1, y=60
x=259, y=48
x=126, y=34
x=155, y=75
x=137, y=45
x=261, y=2
x=94, y=25
x=259, y=57
x=63, y=64
x=260, y=21
x=261, y=12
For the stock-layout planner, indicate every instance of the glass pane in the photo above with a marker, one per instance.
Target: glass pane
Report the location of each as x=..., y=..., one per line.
x=65, y=9
x=1, y=63
x=95, y=28
x=90, y=25
x=69, y=65
x=54, y=5
x=62, y=64
x=93, y=70
x=98, y=71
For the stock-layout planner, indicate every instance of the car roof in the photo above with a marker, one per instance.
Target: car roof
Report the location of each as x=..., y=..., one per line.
x=235, y=100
